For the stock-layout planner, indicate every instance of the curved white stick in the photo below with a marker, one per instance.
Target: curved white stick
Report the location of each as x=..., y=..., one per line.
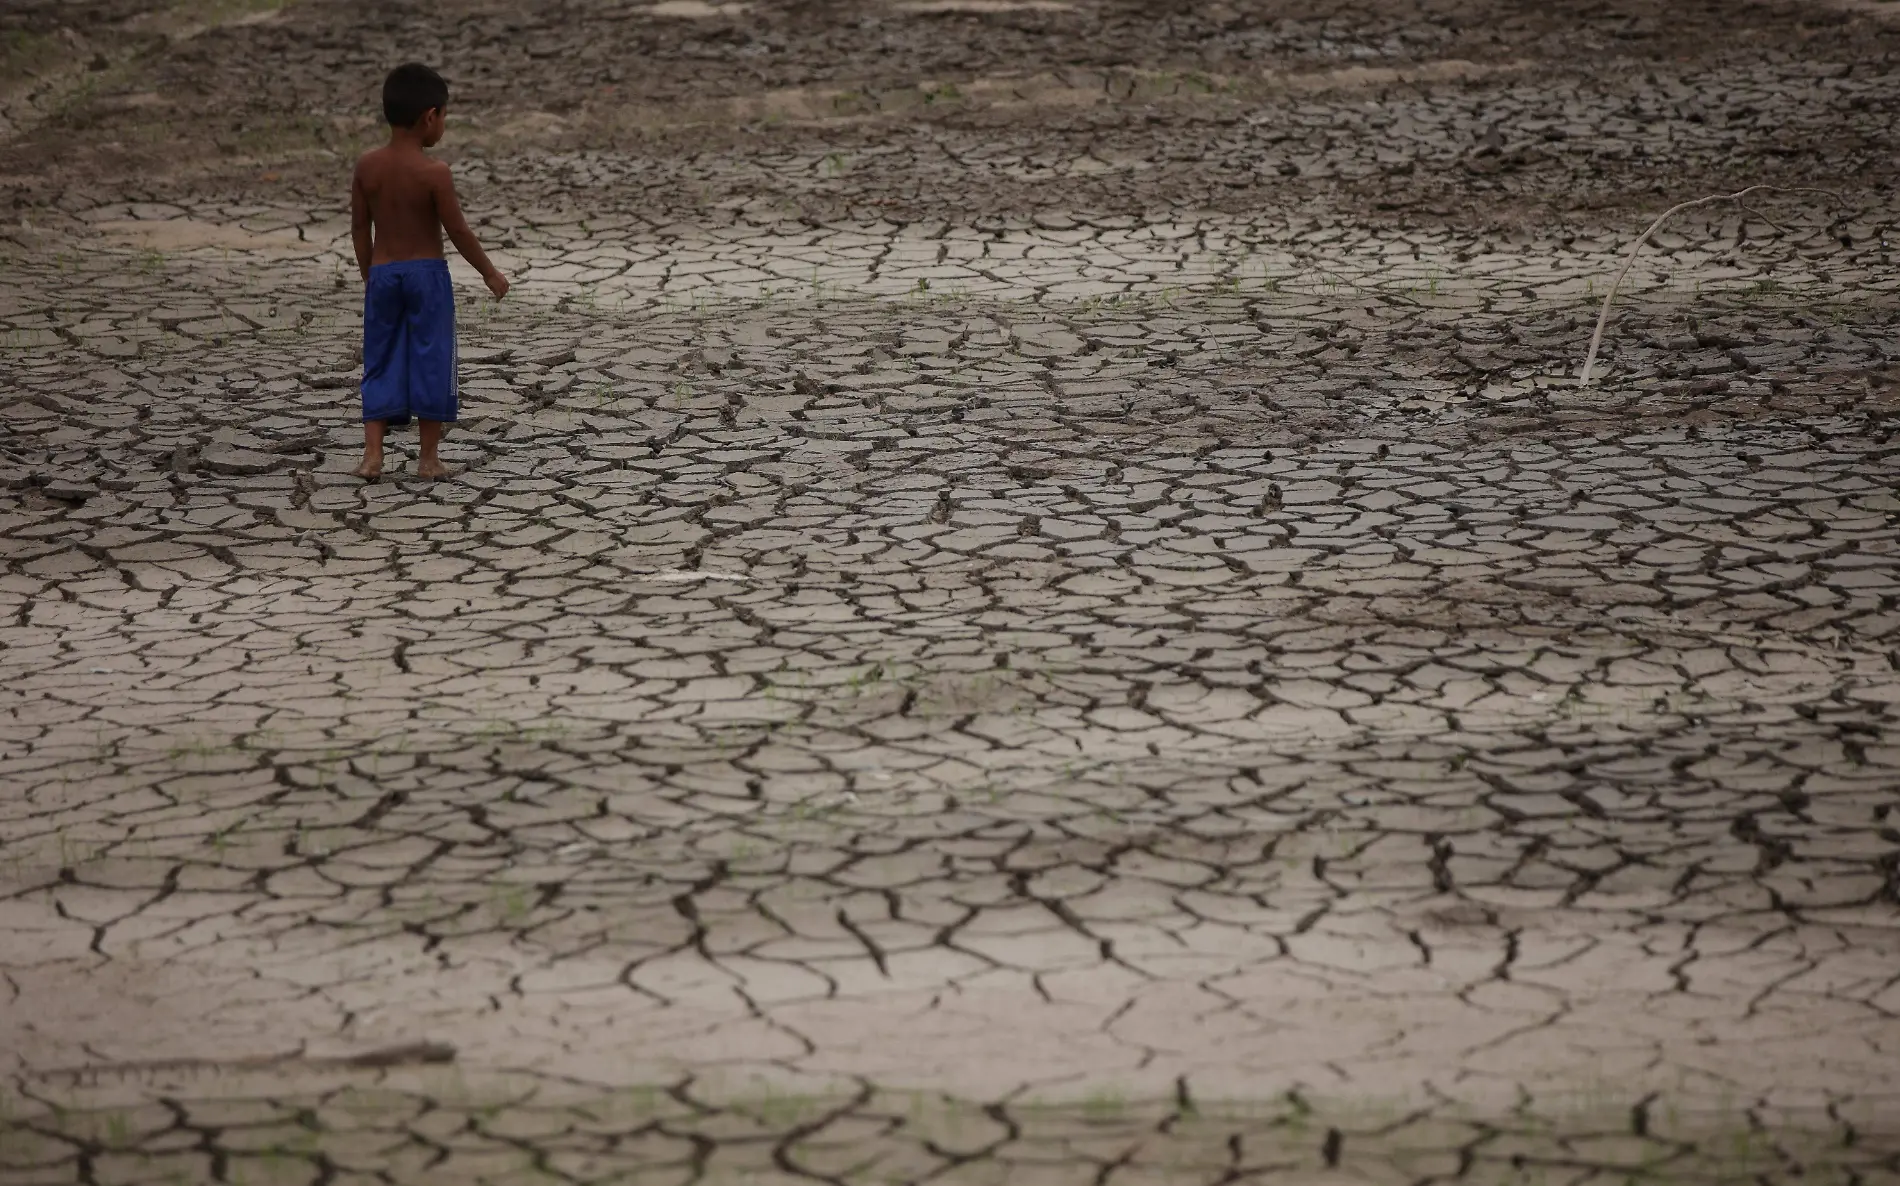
x=1603, y=318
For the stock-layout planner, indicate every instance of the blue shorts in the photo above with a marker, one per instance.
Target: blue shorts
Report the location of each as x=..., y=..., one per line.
x=409, y=342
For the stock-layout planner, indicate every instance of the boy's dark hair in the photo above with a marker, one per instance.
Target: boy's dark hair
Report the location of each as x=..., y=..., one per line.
x=410, y=90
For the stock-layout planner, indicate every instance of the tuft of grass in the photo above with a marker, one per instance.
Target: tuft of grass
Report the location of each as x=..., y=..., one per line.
x=1104, y=1104
x=777, y=1109
x=21, y=51
x=118, y=1130
x=219, y=11
x=197, y=747
x=511, y=904
x=74, y=852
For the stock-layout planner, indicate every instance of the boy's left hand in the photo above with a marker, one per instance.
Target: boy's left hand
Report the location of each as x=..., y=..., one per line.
x=497, y=284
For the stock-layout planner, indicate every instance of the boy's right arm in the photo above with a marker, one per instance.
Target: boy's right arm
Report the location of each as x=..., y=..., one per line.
x=449, y=208
x=360, y=229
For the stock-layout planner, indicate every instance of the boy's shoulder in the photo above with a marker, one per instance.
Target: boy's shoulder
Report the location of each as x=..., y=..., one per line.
x=370, y=162
x=383, y=159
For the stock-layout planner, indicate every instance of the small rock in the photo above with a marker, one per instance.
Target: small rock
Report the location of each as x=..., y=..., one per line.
x=67, y=490
x=230, y=459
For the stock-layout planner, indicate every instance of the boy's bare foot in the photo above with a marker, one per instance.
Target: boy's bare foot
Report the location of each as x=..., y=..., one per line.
x=432, y=471
x=369, y=471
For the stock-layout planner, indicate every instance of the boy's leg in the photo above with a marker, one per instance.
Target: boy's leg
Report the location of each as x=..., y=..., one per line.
x=385, y=366
x=372, y=467
x=428, y=465
x=430, y=329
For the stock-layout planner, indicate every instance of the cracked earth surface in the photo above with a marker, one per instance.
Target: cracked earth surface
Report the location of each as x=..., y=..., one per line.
x=1029, y=597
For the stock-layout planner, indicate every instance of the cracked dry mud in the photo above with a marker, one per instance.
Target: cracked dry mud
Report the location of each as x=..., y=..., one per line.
x=1029, y=597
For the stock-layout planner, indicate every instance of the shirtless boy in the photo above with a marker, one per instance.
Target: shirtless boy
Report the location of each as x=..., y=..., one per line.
x=401, y=202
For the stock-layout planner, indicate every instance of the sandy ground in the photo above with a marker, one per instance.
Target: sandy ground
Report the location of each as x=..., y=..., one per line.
x=1029, y=596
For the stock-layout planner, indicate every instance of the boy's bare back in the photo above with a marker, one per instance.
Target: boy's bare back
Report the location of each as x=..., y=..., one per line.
x=402, y=190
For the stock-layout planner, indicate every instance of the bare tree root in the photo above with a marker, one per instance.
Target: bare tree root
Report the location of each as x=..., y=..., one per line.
x=1740, y=198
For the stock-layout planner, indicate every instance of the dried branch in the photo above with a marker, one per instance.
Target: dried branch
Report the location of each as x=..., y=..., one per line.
x=1739, y=198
